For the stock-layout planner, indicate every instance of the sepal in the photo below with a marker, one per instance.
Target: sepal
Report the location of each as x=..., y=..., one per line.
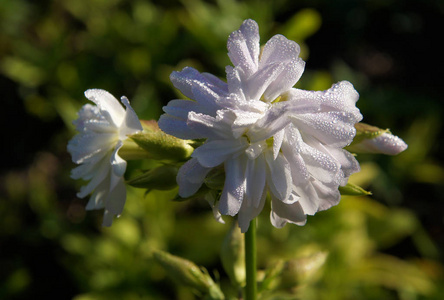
x=160, y=145
x=351, y=189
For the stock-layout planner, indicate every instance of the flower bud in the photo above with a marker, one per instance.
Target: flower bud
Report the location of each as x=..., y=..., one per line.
x=233, y=255
x=160, y=145
x=371, y=139
x=189, y=274
x=160, y=178
x=298, y=271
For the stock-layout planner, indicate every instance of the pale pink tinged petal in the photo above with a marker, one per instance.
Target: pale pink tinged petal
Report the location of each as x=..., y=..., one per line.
x=102, y=171
x=243, y=46
x=279, y=177
x=107, y=219
x=385, y=143
x=278, y=138
x=213, y=153
x=108, y=104
x=190, y=177
x=234, y=187
x=248, y=212
x=116, y=198
x=178, y=128
x=282, y=213
x=332, y=128
x=255, y=175
x=273, y=121
x=131, y=123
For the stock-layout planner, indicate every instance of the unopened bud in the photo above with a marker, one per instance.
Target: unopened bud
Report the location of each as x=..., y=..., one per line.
x=187, y=273
x=371, y=139
x=233, y=255
x=160, y=145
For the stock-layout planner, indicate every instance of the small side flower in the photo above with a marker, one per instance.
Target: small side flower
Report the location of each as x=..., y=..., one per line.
x=102, y=129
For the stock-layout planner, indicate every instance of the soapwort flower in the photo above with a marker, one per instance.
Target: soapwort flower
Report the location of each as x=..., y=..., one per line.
x=102, y=130
x=266, y=136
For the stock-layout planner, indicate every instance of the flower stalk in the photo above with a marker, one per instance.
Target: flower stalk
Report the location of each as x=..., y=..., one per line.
x=250, y=262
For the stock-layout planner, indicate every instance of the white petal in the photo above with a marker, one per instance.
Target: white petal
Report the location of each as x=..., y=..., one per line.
x=282, y=213
x=285, y=52
x=84, y=145
x=209, y=127
x=190, y=177
x=107, y=219
x=234, y=187
x=248, y=211
x=255, y=176
x=108, y=105
x=131, y=123
x=180, y=108
x=332, y=128
x=177, y=127
x=214, y=153
x=243, y=46
x=101, y=172
x=320, y=165
x=341, y=97
x=118, y=166
x=275, y=119
x=278, y=138
x=279, y=178
x=116, y=198
x=98, y=197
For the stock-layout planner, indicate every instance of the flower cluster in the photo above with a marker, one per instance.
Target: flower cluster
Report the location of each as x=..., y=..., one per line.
x=102, y=130
x=268, y=137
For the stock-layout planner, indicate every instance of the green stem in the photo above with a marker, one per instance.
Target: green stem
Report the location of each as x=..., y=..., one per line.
x=250, y=262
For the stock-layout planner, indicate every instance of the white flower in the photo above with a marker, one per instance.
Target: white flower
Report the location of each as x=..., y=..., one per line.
x=266, y=135
x=102, y=130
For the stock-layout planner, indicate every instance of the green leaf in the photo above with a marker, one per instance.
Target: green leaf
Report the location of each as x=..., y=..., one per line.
x=353, y=190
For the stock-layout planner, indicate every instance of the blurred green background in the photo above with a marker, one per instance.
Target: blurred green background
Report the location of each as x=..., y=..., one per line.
x=388, y=246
